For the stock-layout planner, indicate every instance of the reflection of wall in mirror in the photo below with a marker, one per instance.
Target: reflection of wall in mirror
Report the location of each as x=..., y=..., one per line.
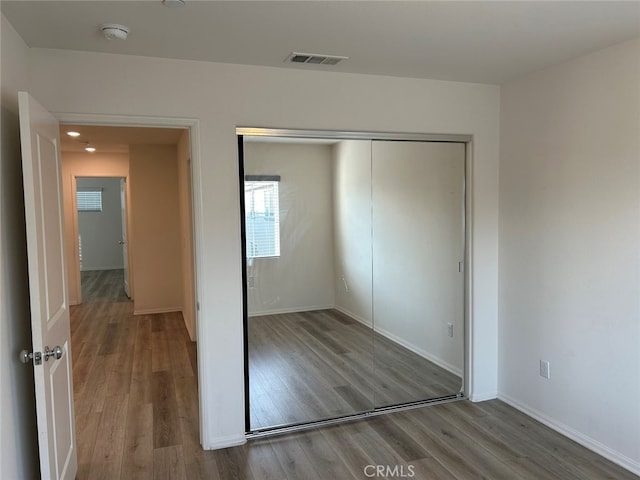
x=302, y=277
x=328, y=257
x=407, y=271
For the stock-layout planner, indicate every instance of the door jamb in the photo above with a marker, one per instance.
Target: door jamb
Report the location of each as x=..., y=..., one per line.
x=193, y=125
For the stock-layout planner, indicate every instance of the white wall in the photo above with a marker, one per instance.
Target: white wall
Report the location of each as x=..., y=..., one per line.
x=417, y=200
x=18, y=434
x=101, y=231
x=155, y=229
x=352, y=228
x=399, y=238
x=569, y=248
x=224, y=96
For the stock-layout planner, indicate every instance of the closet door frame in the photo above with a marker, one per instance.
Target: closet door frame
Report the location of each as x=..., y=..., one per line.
x=465, y=139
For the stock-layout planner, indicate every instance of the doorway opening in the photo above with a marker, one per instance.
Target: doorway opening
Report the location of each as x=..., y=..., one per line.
x=101, y=206
x=131, y=275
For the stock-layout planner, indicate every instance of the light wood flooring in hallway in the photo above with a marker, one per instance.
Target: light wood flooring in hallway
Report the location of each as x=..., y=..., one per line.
x=137, y=418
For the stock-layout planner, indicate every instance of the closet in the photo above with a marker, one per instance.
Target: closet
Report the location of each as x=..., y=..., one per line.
x=355, y=272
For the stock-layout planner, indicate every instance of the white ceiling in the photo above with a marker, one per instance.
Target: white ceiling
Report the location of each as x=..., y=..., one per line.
x=486, y=42
x=115, y=139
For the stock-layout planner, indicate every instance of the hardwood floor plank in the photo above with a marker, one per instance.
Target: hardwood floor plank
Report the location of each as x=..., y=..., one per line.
x=293, y=459
x=428, y=468
x=393, y=435
x=497, y=447
x=205, y=470
x=120, y=378
x=91, y=399
x=166, y=428
x=138, y=461
x=263, y=463
x=232, y=464
x=87, y=430
x=82, y=365
x=323, y=457
x=189, y=420
x=168, y=463
x=160, y=354
x=474, y=453
x=342, y=440
x=106, y=462
x=448, y=457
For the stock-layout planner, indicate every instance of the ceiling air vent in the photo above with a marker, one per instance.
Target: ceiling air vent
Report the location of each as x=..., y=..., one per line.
x=314, y=59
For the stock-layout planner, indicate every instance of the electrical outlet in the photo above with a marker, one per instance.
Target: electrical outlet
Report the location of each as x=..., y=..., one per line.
x=545, y=369
x=450, y=329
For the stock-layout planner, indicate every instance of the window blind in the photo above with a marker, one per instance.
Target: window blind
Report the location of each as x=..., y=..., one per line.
x=89, y=199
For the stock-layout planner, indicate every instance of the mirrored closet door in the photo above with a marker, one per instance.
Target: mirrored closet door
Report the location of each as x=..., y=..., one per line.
x=354, y=283
x=417, y=269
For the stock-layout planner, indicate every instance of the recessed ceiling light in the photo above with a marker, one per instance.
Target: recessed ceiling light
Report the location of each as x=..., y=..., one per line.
x=73, y=134
x=90, y=149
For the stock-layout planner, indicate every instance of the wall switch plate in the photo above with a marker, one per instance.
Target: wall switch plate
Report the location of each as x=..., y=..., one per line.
x=545, y=369
x=450, y=329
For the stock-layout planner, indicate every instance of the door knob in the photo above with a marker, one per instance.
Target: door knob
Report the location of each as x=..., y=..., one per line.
x=56, y=353
x=26, y=356
x=121, y=242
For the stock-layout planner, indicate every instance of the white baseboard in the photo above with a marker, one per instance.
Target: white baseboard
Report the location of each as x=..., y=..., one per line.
x=584, y=440
x=278, y=311
x=352, y=315
x=151, y=311
x=483, y=397
x=226, y=442
x=394, y=338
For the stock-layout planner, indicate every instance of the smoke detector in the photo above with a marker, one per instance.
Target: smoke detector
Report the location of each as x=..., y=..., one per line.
x=173, y=3
x=114, y=31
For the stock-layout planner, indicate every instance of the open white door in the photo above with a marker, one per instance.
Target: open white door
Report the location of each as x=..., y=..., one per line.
x=51, y=355
x=123, y=242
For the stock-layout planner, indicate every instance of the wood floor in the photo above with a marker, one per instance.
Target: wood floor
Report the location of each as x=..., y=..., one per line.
x=135, y=387
x=137, y=418
x=320, y=364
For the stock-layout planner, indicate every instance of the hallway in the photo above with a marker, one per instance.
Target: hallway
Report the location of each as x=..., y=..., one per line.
x=135, y=386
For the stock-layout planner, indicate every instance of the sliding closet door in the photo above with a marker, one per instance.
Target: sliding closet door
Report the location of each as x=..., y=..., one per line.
x=306, y=204
x=417, y=270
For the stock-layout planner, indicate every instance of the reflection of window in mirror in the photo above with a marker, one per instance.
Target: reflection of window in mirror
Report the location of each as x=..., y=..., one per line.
x=262, y=217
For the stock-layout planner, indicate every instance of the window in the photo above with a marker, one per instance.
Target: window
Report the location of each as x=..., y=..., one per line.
x=262, y=216
x=89, y=199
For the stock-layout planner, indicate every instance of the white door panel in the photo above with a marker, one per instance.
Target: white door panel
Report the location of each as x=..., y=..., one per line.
x=48, y=289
